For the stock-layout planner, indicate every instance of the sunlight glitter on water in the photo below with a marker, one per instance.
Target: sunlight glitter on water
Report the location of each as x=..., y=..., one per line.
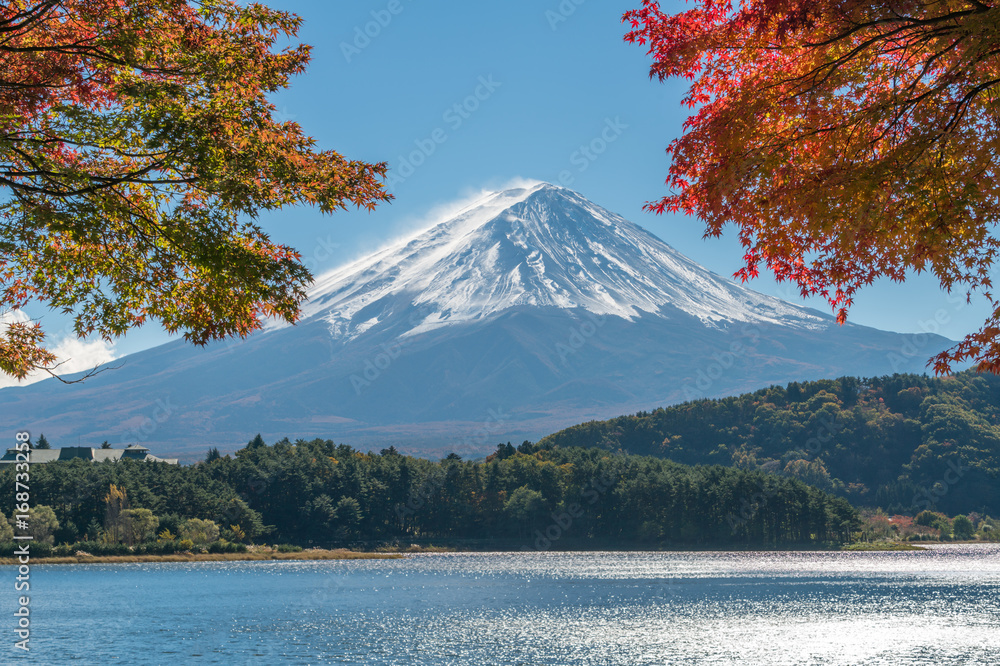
x=933, y=607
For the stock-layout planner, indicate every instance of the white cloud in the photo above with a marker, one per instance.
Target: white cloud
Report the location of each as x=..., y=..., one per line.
x=82, y=355
x=75, y=355
x=10, y=317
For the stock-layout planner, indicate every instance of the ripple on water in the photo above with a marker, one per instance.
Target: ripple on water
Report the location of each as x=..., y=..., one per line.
x=933, y=607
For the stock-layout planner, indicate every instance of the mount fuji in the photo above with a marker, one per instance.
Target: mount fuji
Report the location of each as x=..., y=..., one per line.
x=531, y=310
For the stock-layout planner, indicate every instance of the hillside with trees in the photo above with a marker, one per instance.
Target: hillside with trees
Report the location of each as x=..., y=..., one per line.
x=905, y=443
x=322, y=494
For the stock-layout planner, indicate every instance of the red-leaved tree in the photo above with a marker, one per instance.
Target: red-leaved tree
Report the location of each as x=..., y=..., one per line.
x=846, y=140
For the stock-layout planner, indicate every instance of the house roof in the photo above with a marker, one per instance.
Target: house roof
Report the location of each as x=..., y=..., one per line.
x=132, y=452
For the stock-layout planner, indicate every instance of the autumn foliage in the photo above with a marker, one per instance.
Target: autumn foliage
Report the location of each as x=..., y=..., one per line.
x=137, y=146
x=847, y=141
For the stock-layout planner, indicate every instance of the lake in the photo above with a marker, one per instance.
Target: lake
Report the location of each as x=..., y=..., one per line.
x=933, y=607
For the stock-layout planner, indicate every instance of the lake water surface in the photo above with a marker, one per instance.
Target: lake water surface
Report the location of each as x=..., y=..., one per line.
x=934, y=607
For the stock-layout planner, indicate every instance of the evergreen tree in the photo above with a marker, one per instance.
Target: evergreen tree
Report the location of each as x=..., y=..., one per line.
x=320, y=492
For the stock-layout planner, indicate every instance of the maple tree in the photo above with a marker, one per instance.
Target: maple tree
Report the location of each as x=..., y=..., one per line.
x=137, y=147
x=847, y=141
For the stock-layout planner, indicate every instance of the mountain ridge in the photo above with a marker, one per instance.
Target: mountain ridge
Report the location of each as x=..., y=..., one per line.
x=533, y=304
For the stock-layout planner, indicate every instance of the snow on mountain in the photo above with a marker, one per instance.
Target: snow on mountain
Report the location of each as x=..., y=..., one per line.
x=541, y=245
x=526, y=312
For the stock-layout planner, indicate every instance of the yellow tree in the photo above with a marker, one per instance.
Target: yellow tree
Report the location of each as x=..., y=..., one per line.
x=115, y=506
x=137, y=147
x=199, y=531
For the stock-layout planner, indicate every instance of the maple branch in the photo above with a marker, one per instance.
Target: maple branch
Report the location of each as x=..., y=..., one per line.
x=93, y=372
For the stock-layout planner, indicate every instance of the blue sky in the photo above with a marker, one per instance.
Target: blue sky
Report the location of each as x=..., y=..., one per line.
x=459, y=97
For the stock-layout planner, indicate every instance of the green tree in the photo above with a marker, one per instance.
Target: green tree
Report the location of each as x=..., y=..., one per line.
x=93, y=532
x=347, y=516
x=238, y=512
x=935, y=520
x=619, y=499
x=137, y=147
x=523, y=508
x=962, y=528
x=929, y=518
x=42, y=524
x=6, y=531
x=139, y=525
x=814, y=473
x=42, y=442
x=171, y=522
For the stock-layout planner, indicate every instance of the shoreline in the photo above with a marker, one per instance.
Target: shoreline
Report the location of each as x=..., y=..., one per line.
x=318, y=554
x=181, y=558
x=883, y=546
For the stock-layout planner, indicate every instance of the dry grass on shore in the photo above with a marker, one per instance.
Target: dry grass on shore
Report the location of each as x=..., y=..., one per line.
x=882, y=545
x=250, y=556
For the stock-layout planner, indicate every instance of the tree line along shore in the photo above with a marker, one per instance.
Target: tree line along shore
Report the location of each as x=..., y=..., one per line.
x=814, y=464
x=320, y=494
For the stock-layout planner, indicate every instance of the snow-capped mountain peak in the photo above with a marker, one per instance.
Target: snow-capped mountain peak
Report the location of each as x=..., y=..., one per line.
x=534, y=246
x=472, y=332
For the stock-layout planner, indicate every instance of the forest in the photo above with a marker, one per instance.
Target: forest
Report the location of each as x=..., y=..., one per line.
x=902, y=443
x=317, y=493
